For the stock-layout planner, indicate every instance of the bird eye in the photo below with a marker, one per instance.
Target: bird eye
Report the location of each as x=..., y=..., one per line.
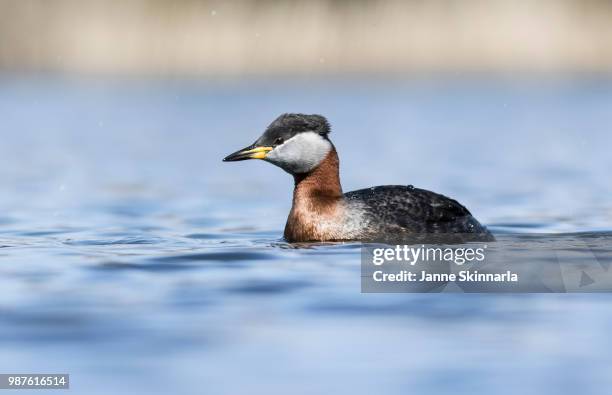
x=278, y=141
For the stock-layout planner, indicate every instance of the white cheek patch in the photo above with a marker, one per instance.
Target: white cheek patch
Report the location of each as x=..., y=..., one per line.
x=301, y=153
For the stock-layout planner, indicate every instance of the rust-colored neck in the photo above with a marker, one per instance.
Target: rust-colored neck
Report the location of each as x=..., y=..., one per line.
x=316, y=200
x=321, y=184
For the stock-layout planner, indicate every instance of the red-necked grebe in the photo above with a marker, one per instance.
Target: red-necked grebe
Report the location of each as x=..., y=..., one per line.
x=300, y=145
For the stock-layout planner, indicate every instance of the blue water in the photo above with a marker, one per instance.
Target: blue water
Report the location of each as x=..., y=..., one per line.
x=132, y=258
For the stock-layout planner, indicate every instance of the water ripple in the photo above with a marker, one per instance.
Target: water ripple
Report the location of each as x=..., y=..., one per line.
x=145, y=267
x=268, y=287
x=125, y=241
x=219, y=256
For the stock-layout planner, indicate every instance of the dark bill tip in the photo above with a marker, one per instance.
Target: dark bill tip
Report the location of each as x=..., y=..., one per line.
x=235, y=157
x=242, y=154
x=250, y=152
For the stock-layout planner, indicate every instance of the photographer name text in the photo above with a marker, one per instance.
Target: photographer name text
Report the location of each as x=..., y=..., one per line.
x=410, y=256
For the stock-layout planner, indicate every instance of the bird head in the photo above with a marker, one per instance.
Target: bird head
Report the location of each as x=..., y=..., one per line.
x=297, y=143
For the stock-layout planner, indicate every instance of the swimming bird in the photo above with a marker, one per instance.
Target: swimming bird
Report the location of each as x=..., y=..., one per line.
x=300, y=145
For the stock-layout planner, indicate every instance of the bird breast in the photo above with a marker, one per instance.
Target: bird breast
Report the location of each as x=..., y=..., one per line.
x=331, y=222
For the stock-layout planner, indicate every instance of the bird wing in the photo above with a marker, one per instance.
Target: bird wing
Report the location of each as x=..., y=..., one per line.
x=414, y=209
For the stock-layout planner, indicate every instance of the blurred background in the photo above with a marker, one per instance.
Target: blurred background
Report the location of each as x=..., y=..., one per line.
x=132, y=258
x=299, y=37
